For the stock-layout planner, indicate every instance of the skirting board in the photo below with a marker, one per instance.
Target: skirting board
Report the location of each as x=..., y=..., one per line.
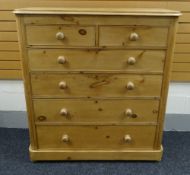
x=38, y=155
x=18, y=119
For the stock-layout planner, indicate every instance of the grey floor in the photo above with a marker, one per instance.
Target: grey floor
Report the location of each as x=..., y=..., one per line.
x=14, y=159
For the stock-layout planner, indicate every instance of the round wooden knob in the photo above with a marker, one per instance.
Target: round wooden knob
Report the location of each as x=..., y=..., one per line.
x=65, y=138
x=60, y=35
x=61, y=60
x=131, y=61
x=130, y=85
x=127, y=138
x=133, y=36
x=128, y=112
x=62, y=85
x=63, y=112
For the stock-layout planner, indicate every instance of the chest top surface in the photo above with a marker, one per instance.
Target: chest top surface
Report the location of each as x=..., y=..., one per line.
x=100, y=11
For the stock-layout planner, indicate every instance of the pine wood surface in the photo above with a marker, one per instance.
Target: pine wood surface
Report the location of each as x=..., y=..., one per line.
x=101, y=85
x=106, y=111
x=98, y=59
x=45, y=35
x=40, y=20
x=97, y=91
x=95, y=137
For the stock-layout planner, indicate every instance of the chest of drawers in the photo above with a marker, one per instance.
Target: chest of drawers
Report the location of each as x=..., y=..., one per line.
x=96, y=81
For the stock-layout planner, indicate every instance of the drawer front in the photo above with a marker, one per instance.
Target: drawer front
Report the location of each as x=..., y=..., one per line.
x=95, y=137
x=95, y=85
x=97, y=111
x=132, y=36
x=96, y=20
x=61, y=35
x=73, y=60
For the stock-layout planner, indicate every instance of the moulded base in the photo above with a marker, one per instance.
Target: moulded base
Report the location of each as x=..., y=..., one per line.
x=51, y=154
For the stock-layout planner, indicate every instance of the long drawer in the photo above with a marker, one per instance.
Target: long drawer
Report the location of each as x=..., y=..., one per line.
x=96, y=111
x=132, y=36
x=61, y=35
x=101, y=60
x=95, y=85
x=96, y=137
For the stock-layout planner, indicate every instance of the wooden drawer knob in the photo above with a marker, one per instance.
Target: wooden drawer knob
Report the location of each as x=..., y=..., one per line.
x=133, y=36
x=131, y=61
x=127, y=138
x=65, y=138
x=64, y=112
x=130, y=85
x=61, y=60
x=128, y=112
x=62, y=85
x=60, y=35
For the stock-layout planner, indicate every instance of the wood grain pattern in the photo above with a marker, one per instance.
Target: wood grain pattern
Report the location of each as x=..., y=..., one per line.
x=119, y=36
x=99, y=111
x=95, y=85
x=93, y=104
x=127, y=154
x=95, y=137
x=94, y=20
x=27, y=85
x=46, y=35
x=99, y=59
x=165, y=82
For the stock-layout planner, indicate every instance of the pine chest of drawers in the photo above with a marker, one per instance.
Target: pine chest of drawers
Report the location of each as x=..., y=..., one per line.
x=96, y=81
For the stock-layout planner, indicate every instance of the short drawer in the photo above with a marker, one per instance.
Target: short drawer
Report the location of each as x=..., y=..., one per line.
x=95, y=85
x=101, y=60
x=95, y=137
x=61, y=35
x=96, y=111
x=132, y=36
